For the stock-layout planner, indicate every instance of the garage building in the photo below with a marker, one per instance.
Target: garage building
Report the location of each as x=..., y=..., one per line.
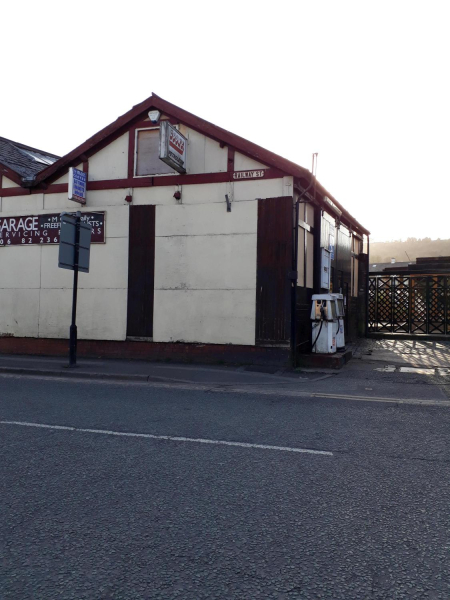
x=215, y=259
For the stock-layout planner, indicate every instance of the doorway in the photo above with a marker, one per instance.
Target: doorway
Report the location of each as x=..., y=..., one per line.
x=141, y=272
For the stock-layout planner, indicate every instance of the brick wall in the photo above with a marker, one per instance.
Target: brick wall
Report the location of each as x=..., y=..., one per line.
x=152, y=351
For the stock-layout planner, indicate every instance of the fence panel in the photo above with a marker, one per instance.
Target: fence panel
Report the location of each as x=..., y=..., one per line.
x=413, y=304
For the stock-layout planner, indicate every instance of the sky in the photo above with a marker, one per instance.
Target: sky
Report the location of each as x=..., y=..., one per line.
x=365, y=84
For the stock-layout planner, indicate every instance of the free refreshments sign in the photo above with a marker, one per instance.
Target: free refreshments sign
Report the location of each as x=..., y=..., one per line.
x=77, y=185
x=45, y=229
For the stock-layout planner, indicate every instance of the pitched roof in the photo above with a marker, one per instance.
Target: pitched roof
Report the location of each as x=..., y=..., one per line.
x=23, y=160
x=219, y=134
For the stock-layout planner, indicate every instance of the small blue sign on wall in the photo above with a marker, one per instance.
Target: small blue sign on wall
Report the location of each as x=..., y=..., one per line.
x=77, y=185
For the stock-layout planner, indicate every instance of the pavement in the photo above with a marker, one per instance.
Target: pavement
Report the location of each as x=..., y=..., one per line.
x=376, y=372
x=408, y=353
x=151, y=372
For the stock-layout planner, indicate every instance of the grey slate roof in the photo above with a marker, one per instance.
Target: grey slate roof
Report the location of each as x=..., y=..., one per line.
x=24, y=160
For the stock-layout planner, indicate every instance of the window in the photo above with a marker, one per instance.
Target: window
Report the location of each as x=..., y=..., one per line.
x=301, y=257
x=305, y=244
x=147, y=160
x=309, y=260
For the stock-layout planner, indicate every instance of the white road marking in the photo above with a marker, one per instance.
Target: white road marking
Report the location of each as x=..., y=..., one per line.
x=169, y=438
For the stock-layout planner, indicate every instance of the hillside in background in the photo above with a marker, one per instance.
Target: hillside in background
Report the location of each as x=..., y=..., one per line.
x=408, y=250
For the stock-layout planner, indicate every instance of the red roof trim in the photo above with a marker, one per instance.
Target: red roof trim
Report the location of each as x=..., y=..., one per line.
x=205, y=127
x=138, y=182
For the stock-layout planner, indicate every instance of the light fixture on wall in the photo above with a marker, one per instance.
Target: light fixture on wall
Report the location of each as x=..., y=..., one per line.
x=154, y=116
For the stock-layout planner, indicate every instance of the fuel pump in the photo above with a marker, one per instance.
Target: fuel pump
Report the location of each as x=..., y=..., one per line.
x=324, y=323
x=340, y=314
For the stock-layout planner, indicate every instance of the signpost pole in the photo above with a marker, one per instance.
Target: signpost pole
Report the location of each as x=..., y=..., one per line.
x=73, y=326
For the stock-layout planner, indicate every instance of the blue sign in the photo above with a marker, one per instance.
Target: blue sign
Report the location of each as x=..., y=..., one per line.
x=77, y=185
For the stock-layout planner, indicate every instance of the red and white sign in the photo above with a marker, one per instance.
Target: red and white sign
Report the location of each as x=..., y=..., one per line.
x=172, y=147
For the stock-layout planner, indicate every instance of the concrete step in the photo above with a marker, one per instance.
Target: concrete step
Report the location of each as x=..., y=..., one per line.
x=325, y=361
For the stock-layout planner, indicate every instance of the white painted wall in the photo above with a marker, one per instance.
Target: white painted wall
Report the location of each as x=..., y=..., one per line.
x=99, y=314
x=205, y=257
x=205, y=273
x=19, y=311
x=263, y=188
x=207, y=316
x=204, y=155
x=65, y=178
x=244, y=163
x=100, y=199
x=111, y=162
x=36, y=296
x=309, y=214
x=7, y=183
x=22, y=204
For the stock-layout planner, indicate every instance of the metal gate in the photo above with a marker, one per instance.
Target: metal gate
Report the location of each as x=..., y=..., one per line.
x=413, y=304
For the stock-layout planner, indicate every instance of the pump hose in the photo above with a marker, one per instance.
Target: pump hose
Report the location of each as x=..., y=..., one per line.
x=317, y=337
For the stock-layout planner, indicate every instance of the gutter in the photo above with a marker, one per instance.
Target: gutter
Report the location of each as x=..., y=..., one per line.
x=28, y=182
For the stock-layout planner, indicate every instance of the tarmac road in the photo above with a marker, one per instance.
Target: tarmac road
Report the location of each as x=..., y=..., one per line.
x=89, y=513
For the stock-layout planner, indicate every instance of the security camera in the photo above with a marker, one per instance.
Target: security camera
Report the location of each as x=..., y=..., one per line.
x=154, y=116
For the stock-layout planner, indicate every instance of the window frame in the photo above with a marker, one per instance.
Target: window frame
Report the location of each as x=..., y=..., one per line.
x=135, y=175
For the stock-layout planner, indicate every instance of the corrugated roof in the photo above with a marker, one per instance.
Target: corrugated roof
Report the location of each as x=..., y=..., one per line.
x=24, y=160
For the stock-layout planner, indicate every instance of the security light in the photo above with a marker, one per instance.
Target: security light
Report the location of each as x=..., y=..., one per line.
x=154, y=116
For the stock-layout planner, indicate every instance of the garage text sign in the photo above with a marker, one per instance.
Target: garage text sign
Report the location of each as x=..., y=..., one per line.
x=44, y=229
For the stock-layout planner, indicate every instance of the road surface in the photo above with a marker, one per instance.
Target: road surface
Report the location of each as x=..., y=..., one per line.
x=222, y=494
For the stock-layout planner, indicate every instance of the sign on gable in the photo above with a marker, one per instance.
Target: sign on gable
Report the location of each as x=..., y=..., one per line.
x=172, y=147
x=77, y=185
